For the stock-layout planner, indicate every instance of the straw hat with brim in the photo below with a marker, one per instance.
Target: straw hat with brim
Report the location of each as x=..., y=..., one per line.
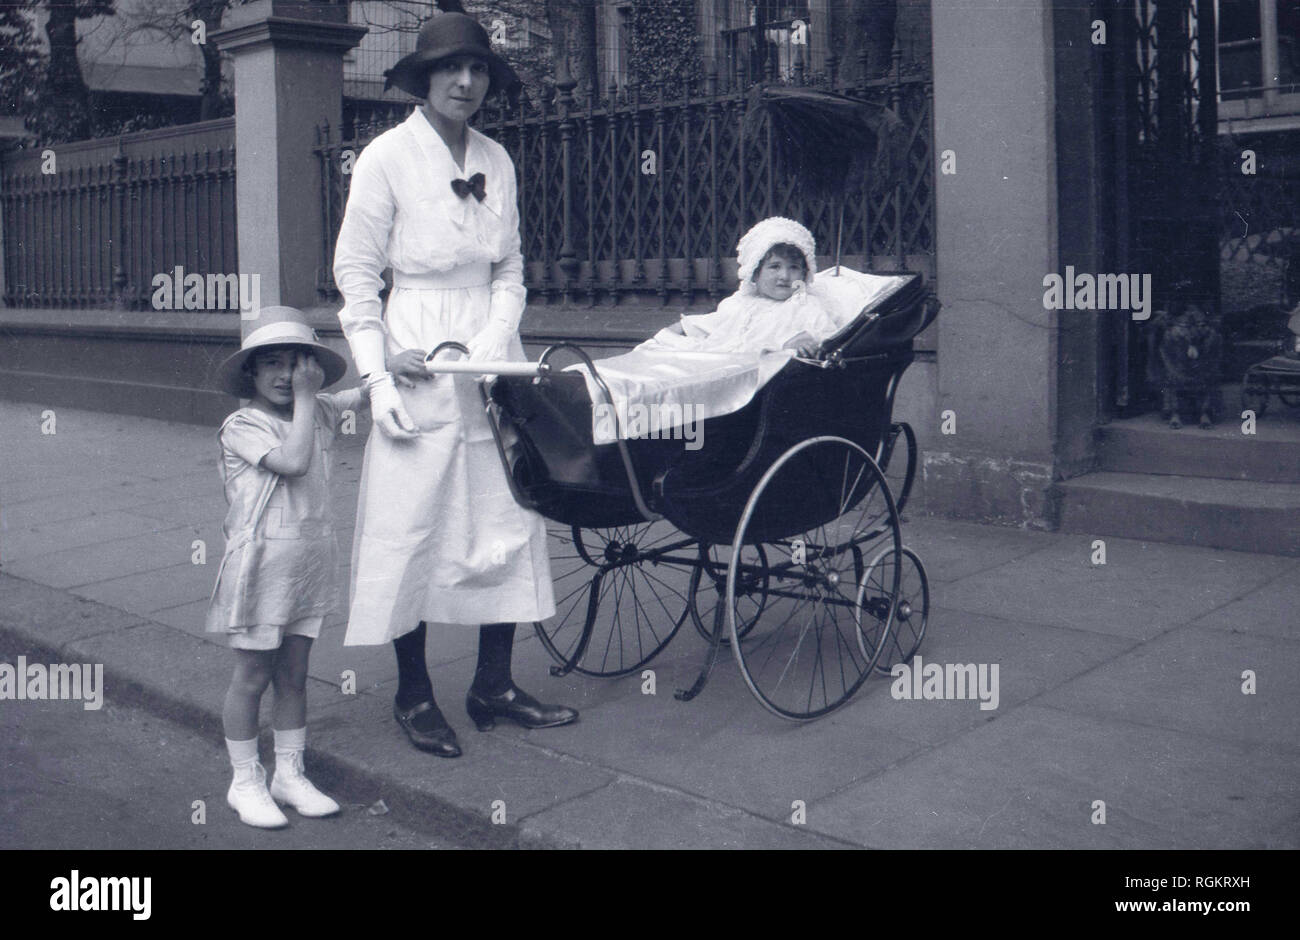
x=275, y=326
x=444, y=36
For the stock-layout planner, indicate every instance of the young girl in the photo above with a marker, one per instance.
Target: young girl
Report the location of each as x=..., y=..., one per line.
x=773, y=308
x=278, y=577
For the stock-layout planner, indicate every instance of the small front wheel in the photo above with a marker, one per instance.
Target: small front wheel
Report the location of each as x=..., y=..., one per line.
x=901, y=637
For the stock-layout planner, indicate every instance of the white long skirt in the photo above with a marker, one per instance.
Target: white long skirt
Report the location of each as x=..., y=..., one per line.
x=439, y=537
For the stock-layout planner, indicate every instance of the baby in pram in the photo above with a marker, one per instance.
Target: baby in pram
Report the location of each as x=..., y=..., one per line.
x=712, y=364
x=772, y=309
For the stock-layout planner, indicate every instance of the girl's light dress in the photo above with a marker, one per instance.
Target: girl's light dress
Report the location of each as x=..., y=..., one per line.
x=280, y=563
x=439, y=537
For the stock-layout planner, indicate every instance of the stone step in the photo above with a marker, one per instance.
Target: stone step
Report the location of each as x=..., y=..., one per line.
x=1149, y=445
x=1241, y=515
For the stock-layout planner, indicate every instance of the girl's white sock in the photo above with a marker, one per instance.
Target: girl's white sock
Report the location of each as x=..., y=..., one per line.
x=295, y=739
x=242, y=752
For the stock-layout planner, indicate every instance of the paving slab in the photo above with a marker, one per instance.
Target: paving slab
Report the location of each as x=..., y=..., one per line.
x=371, y=665
x=631, y=814
x=55, y=618
x=45, y=483
x=188, y=510
x=1031, y=658
x=49, y=537
x=953, y=550
x=1030, y=778
x=151, y=591
x=117, y=559
x=1272, y=609
x=1143, y=589
x=71, y=503
x=1190, y=679
x=493, y=767
x=722, y=744
x=188, y=618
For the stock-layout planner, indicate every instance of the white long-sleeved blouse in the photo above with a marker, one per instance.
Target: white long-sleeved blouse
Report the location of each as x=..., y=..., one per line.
x=402, y=212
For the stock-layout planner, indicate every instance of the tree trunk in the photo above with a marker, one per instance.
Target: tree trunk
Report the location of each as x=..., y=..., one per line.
x=211, y=13
x=65, y=96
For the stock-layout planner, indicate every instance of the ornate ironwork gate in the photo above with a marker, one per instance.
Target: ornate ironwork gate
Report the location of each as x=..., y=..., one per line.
x=1158, y=79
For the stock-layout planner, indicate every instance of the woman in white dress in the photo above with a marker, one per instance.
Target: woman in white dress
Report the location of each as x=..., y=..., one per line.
x=439, y=538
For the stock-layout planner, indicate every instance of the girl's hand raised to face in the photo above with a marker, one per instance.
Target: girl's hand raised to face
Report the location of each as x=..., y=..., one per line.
x=408, y=368
x=308, y=376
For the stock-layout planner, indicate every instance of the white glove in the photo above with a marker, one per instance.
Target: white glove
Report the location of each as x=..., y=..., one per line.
x=493, y=341
x=386, y=407
x=368, y=351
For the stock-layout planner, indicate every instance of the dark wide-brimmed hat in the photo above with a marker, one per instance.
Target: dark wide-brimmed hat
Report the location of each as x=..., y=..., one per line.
x=444, y=36
x=275, y=326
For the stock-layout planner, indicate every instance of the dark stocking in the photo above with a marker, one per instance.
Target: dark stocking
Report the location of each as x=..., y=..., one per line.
x=413, y=684
x=492, y=674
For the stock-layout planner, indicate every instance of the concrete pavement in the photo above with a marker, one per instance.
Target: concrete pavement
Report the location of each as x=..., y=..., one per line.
x=1119, y=683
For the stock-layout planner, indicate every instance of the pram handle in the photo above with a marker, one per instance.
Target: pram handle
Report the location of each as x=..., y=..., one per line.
x=482, y=367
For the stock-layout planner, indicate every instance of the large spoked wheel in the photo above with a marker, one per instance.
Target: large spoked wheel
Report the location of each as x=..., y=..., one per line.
x=620, y=596
x=709, y=585
x=899, y=462
x=804, y=659
x=903, y=635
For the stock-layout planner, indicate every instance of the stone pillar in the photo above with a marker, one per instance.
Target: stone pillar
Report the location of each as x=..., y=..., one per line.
x=994, y=108
x=288, y=62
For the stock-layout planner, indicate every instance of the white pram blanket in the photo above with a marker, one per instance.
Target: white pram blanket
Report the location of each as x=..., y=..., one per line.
x=665, y=383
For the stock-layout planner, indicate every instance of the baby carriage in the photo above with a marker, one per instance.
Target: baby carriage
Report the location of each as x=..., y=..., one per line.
x=1279, y=375
x=782, y=531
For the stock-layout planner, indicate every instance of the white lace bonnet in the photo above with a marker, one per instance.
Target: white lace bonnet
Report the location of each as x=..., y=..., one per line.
x=755, y=243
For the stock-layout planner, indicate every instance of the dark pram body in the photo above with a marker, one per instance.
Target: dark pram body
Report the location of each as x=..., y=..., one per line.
x=566, y=477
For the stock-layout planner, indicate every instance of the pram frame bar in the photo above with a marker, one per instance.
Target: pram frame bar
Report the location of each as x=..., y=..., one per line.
x=539, y=370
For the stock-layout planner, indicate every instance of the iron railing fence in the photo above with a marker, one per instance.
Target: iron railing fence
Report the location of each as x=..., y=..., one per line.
x=642, y=192
x=94, y=222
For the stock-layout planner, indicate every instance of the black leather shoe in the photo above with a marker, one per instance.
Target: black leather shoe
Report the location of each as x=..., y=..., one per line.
x=517, y=705
x=436, y=736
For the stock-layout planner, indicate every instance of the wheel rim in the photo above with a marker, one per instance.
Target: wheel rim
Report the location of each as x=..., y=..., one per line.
x=804, y=658
x=641, y=599
x=899, y=474
x=709, y=586
x=906, y=630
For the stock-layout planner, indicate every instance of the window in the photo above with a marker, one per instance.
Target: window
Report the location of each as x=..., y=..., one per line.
x=1259, y=58
x=778, y=31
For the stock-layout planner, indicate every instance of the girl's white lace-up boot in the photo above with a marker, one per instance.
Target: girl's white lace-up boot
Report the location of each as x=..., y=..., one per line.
x=249, y=798
x=290, y=785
